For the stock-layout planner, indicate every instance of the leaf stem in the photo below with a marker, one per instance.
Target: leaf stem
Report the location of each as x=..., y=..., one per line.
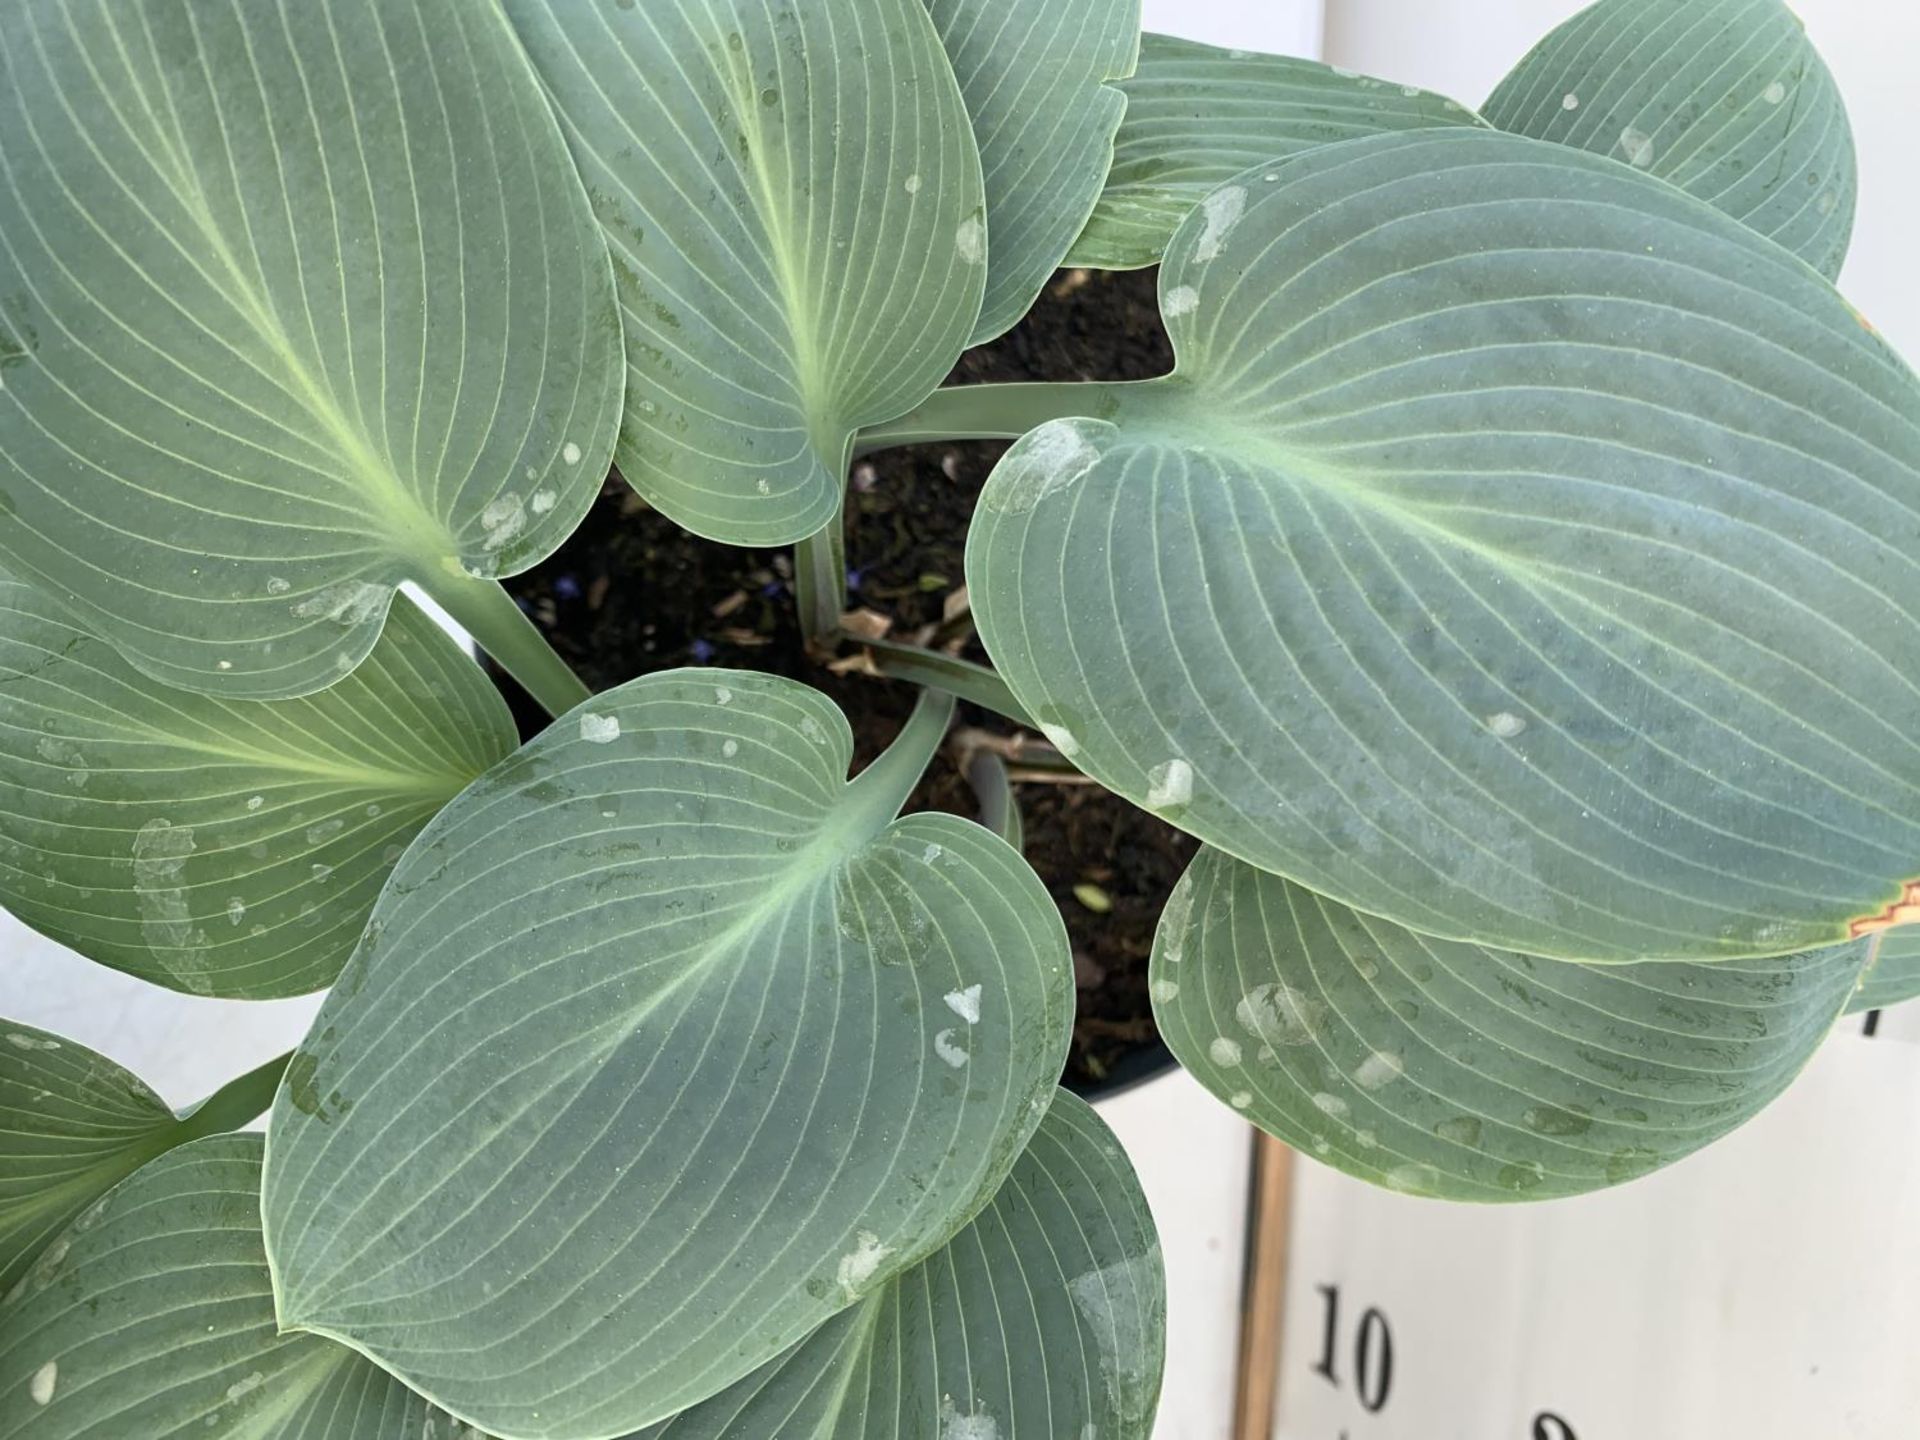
x=877, y=792
x=949, y=673
x=999, y=809
x=496, y=623
x=997, y=412
x=820, y=583
x=234, y=1103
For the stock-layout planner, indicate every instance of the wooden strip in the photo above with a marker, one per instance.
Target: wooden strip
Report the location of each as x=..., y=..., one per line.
x=1263, y=1302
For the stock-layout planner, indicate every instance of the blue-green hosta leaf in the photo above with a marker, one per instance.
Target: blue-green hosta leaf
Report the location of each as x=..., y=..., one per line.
x=664, y=1026
x=73, y=1124
x=297, y=302
x=793, y=199
x=1559, y=594
x=152, y=1316
x=1036, y=82
x=1046, y=1317
x=1470, y=1074
x=1894, y=977
x=1198, y=115
x=1727, y=99
x=222, y=847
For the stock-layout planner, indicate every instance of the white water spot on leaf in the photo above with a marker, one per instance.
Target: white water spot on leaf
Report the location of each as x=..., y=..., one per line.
x=971, y=240
x=858, y=1265
x=570, y=453
x=1113, y=1303
x=810, y=728
x=1061, y=738
x=236, y=910
x=1774, y=93
x=56, y=751
x=1414, y=1179
x=1181, y=300
x=253, y=1381
x=254, y=802
x=1331, y=1105
x=224, y=664
x=1382, y=1067
x=1240, y=1099
x=503, y=520
x=971, y=1425
x=160, y=852
x=928, y=856
x=1176, y=921
x=912, y=184
x=1058, y=454
x=1506, y=724
x=322, y=873
x=1637, y=146
x=1279, y=1014
x=1460, y=1130
x=46, y=1269
x=965, y=1003
x=764, y=486
x=723, y=695
x=1411, y=91
x=1165, y=991
x=325, y=830
x=949, y=1052
x=30, y=1042
x=1569, y=102
x=1224, y=1051
x=278, y=586
x=40, y=1387
x=730, y=749
x=1223, y=209
x=353, y=602
x=599, y=729
x=1346, y=74
x=1169, y=784
x=543, y=501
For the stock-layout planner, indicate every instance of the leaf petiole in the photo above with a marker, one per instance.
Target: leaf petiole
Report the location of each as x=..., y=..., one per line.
x=235, y=1103
x=497, y=625
x=997, y=412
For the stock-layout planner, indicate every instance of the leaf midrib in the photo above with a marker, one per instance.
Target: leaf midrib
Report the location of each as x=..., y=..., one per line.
x=378, y=483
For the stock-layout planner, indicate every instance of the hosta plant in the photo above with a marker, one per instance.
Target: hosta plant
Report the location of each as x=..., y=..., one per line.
x=1512, y=584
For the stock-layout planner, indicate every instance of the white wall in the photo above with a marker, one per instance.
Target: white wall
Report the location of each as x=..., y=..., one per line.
x=1462, y=48
x=1282, y=27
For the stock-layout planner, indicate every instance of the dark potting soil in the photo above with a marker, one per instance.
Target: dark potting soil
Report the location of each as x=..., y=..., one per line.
x=631, y=593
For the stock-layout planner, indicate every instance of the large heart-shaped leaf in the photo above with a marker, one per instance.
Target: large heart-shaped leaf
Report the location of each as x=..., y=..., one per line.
x=1727, y=99
x=794, y=203
x=153, y=1316
x=1045, y=1317
x=1470, y=1074
x=73, y=1124
x=1035, y=79
x=296, y=302
x=222, y=847
x=665, y=1026
x=1198, y=115
x=1522, y=551
x=1894, y=977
